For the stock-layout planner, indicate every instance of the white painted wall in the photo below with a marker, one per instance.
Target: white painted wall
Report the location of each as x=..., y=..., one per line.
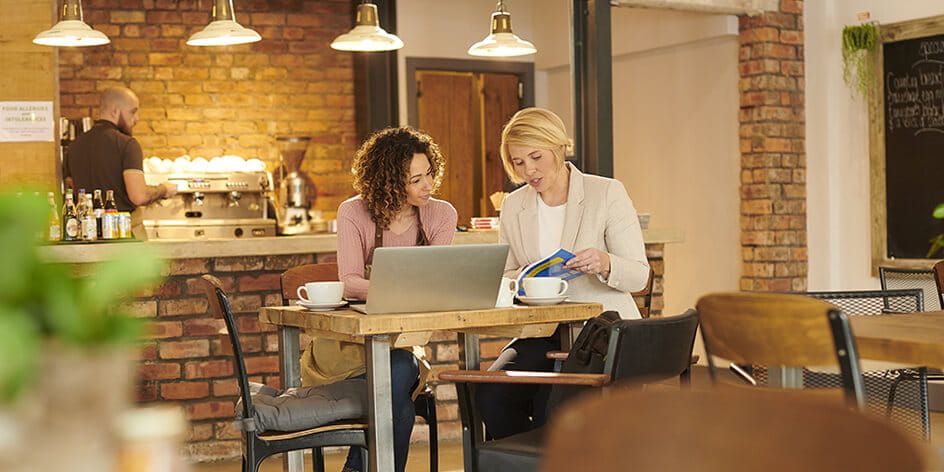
x=675, y=115
x=675, y=101
x=837, y=142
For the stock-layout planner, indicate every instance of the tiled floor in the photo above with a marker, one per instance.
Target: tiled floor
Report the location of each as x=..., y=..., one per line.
x=450, y=460
x=450, y=456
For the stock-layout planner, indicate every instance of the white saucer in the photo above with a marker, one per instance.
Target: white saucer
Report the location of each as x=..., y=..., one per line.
x=321, y=306
x=542, y=301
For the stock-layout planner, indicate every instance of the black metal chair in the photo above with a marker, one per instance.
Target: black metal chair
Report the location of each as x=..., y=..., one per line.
x=609, y=350
x=425, y=403
x=258, y=445
x=924, y=279
x=899, y=394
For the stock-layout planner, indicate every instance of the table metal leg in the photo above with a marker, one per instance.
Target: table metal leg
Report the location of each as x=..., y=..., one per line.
x=380, y=404
x=785, y=377
x=469, y=351
x=472, y=434
x=290, y=374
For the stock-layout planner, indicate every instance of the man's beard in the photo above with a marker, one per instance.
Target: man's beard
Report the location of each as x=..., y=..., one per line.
x=123, y=125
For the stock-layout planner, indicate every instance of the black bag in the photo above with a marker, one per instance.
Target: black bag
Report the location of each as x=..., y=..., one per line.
x=587, y=355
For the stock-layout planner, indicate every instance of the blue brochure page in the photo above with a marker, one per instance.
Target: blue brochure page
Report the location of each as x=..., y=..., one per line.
x=550, y=266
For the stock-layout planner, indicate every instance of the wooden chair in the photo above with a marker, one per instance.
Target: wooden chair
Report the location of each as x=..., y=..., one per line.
x=258, y=445
x=729, y=430
x=780, y=331
x=646, y=294
x=425, y=402
x=651, y=350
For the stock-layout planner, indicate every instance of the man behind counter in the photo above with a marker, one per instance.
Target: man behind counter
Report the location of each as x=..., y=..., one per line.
x=108, y=157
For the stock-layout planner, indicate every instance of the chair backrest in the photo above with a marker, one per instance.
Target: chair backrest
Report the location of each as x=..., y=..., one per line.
x=646, y=295
x=219, y=307
x=298, y=276
x=645, y=350
x=873, y=302
x=924, y=279
x=719, y=431
x=939, y=279
x=780, y=330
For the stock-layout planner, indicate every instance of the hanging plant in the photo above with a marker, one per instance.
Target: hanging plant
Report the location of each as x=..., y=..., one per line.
x=937, y=242
x=858, y=43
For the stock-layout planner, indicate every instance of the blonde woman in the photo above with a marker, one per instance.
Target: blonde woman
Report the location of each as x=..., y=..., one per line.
x=559, y=207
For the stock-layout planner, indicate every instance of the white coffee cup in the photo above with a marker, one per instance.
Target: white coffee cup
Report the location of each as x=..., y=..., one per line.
x=506, y=293
x=544, y=287
x=321, y=292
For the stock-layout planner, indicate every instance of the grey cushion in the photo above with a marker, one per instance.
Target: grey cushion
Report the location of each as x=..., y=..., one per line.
x=521, y=452
x=307, y=407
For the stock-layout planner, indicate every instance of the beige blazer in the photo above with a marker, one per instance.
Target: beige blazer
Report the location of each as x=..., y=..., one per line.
x=599, y=214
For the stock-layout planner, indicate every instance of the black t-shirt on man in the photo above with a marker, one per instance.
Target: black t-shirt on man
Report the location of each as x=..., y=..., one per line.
x=98, y=158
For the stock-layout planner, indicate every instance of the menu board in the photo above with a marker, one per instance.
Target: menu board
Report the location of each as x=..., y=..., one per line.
x=914, y=143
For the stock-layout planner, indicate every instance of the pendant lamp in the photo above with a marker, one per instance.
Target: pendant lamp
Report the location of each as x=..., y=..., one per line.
x=71, y=30
x=502, y=42
x=223, y=29
x=367, y=35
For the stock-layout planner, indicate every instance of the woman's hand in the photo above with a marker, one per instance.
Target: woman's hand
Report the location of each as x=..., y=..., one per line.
x=591, y=261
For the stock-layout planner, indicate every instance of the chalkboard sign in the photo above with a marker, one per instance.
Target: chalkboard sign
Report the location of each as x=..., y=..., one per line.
x=914, y=143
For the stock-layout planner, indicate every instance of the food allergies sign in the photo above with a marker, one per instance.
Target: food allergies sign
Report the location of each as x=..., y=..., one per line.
x=26, y=121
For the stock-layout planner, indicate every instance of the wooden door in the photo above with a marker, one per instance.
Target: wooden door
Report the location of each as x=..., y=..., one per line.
x=448, y=109
x=500, y=100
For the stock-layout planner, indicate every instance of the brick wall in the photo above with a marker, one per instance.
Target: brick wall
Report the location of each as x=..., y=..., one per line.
x=186, y=361
x=773, y=150
x=208, y=101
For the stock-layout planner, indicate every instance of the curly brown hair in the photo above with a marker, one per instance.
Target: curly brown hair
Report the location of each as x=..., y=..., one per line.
x=381, y=169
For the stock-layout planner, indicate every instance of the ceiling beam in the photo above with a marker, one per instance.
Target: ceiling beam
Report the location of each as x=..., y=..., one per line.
x=728, y=7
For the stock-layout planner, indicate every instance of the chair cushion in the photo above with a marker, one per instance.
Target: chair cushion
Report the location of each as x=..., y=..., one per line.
x=303, y=408
x=521, y=453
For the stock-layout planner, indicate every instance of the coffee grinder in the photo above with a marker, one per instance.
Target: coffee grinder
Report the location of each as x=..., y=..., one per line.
x=296, y=191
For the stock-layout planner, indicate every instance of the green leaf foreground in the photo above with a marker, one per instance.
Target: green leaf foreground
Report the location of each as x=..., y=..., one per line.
x=42, y=301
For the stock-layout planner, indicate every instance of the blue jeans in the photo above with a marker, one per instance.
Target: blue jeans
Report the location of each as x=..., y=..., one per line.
x=404, y=374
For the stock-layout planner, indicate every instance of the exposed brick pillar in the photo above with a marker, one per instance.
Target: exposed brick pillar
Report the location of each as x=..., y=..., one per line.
x=773, y=150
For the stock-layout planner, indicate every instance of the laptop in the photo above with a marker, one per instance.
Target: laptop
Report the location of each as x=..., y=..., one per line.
x=416, y=279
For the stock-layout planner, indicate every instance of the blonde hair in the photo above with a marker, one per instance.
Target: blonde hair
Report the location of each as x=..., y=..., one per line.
x=534, y=127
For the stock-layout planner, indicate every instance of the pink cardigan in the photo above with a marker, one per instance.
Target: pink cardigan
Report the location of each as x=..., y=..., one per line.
x=356, y=238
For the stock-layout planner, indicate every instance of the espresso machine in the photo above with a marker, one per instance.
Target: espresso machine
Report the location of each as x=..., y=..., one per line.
x=296, y=190
x=228, y=202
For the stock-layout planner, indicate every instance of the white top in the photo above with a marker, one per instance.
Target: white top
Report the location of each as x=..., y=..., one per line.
x=550, y=227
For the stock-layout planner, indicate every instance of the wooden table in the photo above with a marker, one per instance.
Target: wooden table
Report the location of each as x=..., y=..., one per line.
x=914, y=338
x=380, y=333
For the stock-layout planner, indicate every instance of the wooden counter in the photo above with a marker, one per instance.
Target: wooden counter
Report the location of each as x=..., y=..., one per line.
x=268, y=246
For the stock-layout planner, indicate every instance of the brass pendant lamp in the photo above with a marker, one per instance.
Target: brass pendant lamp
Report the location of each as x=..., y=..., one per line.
x=71, y=30
x=223, y=29
x=367, y=35
x=502, y=42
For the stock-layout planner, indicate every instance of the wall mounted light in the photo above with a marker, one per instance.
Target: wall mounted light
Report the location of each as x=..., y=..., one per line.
x=71, y=30
x=223, y=29
x=502, y=42
x=367, y=35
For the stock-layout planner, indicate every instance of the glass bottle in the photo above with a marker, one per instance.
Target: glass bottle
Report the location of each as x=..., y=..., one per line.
x=55, y=221
x=98, y=208
x=70, y=220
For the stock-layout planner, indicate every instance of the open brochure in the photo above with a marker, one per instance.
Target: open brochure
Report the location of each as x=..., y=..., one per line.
x=550, y=266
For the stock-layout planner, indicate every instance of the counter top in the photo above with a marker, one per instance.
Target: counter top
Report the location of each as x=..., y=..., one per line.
x=270, y=246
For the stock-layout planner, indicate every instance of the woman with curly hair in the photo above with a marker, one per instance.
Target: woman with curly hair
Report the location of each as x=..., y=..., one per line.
x=396, y=171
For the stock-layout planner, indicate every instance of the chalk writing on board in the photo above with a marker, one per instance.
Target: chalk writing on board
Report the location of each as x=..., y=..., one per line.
x=914, y=99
